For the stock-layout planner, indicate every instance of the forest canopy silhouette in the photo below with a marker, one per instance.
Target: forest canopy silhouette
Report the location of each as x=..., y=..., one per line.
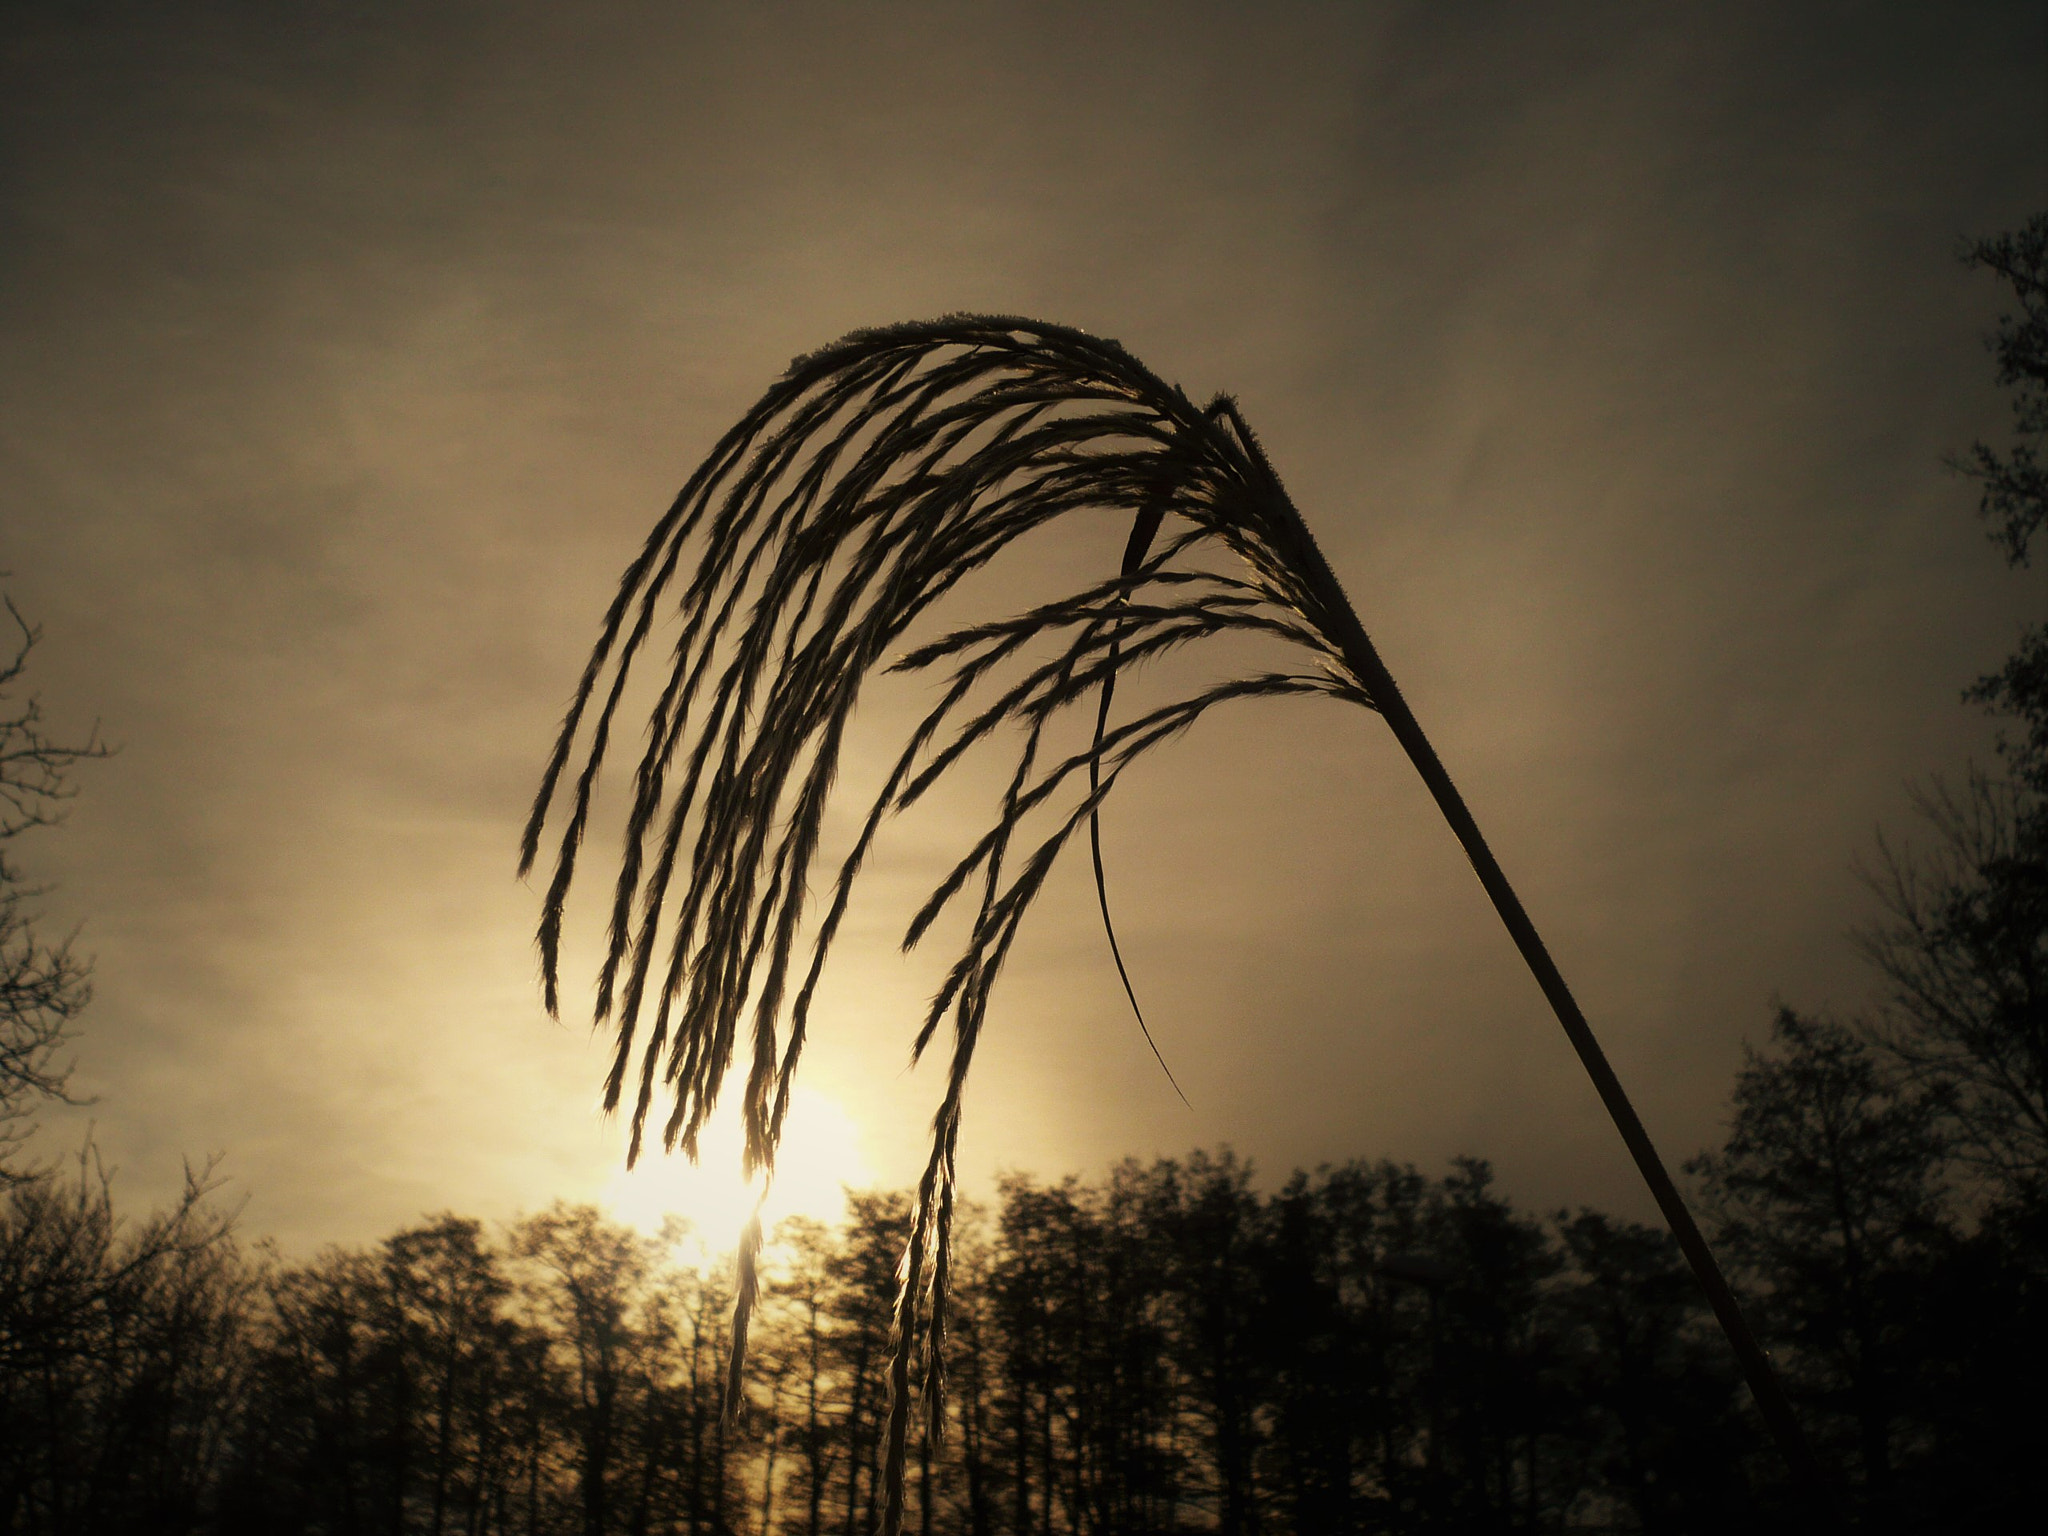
x=1166, y=1348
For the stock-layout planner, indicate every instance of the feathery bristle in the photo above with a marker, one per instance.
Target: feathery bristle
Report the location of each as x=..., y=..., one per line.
x=864, y=487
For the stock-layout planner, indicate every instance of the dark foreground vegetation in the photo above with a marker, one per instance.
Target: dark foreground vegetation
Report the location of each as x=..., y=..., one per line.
x=1364, y=1349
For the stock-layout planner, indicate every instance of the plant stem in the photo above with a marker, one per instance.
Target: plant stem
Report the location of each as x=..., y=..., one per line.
x=1364, y=660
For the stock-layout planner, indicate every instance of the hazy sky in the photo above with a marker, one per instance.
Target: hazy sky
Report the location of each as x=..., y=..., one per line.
x=348, y=350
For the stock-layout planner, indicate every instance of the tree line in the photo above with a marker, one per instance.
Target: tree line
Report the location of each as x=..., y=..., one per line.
x=1166, y=1348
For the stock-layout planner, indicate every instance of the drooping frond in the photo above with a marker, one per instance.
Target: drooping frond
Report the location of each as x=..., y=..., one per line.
x=863, y=487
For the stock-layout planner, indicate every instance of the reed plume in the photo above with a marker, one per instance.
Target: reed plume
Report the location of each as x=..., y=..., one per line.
x=867, y=484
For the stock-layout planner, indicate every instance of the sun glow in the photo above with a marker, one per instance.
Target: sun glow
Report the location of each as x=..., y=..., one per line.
x=820, y=1156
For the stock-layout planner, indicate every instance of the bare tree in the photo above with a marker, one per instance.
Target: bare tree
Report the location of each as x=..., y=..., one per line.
x=593, y=1289
x=1964, y=948
x=865, y=486
x=1964, y=943
x=1829, y=1189
x=43, y=986
x=120, y=1349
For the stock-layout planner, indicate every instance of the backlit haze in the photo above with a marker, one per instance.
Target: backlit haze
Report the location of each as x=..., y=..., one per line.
x=347, y=353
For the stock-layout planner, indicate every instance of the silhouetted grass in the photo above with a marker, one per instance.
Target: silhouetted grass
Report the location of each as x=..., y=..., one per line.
x=867, y=484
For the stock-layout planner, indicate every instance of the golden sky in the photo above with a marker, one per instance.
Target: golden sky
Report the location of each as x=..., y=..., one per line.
x=348, y=350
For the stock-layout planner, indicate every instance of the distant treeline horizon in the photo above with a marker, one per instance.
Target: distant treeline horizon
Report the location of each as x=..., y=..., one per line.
x=1161, y=1349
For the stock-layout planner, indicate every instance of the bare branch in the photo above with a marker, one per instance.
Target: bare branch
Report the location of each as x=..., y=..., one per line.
x=43, y=985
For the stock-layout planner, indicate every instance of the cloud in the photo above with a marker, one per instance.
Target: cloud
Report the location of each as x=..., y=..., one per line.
x=1612, y=356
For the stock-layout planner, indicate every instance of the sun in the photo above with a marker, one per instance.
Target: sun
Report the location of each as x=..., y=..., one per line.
x=820, y=1156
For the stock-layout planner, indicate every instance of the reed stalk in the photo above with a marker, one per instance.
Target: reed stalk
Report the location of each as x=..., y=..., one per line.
x=864, y=487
